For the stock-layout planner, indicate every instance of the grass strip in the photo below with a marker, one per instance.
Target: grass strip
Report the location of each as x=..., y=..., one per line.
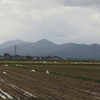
x=64, y=74
x=77, y=76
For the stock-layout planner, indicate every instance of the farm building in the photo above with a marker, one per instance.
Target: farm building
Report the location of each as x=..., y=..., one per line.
x=16, y=57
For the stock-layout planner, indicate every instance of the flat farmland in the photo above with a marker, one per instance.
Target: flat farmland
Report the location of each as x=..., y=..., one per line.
x=83, y=70
x=21, y=83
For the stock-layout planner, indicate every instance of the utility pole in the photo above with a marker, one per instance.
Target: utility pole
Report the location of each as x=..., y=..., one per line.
x=15, y=50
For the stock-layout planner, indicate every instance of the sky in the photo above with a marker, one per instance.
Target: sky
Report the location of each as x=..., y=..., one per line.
x=60, y=21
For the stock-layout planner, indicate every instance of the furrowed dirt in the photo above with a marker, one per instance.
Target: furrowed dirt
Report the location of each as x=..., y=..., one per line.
x=22, y=84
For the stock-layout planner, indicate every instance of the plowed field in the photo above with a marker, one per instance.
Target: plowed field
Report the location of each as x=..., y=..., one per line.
x=22, y=84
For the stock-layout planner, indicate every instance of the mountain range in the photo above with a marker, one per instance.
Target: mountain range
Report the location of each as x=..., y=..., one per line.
x=45, y=47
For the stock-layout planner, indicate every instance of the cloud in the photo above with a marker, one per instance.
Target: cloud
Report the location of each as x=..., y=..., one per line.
x=60, y=21
x=79, y=2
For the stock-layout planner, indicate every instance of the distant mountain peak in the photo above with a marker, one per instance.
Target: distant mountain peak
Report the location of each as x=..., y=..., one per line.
x=45, y=42
x=16, y=40
x=11, y=43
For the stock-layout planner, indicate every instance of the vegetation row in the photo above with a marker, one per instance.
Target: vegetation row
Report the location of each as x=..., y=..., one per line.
x=64, y=74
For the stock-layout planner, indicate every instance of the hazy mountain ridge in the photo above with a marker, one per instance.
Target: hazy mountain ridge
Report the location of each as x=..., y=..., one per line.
x=11, y=43
x=45, y=47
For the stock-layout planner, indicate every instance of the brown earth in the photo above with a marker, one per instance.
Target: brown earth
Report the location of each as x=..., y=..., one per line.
x=46, y=86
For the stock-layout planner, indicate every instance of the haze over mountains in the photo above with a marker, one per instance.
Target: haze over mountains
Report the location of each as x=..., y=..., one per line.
x=45, y=48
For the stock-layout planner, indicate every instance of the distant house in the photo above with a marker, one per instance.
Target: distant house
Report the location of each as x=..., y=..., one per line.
x=6, y=55
x=23, y=57
x=40, y=57
x=16, y=57
x=55, y=57
x=29, y=57
x=35, y=57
